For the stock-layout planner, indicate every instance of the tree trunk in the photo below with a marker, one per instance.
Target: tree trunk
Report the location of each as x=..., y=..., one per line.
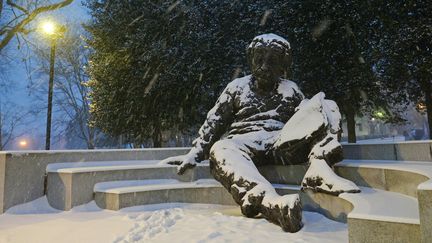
x=351, y=124
x=91, y=138
x=157, y=136
x=428, y=101
x=120, y=142
x=90, y=144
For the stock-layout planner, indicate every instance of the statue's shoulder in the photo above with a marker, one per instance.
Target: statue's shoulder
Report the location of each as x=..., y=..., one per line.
x=238, y=84
x=289, y=88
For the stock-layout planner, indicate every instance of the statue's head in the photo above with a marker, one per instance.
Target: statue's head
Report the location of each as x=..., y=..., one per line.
x=269, y=57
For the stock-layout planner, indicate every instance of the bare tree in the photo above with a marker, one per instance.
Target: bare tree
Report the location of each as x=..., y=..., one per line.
x=15, y=16
x=11, y=119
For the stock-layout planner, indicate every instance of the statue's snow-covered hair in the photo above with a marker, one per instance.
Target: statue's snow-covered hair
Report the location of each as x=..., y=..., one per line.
x=270, y=40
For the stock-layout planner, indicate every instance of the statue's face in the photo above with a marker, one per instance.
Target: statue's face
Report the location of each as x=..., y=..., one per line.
x=268, y=63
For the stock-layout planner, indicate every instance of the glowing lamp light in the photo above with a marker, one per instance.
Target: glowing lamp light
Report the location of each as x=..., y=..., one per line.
x=421, y=107
x=49, y=28
x=23, y=143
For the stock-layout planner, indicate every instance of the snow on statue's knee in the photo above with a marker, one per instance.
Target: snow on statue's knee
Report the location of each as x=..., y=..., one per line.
x=307, y=126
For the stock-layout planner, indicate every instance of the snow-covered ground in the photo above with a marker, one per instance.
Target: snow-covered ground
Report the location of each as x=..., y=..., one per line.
x=38, y=222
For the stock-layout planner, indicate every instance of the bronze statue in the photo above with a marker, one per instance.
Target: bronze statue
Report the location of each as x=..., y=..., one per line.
x=267, y=121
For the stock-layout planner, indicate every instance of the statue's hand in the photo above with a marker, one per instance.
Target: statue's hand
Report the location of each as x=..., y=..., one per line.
x=183, y=162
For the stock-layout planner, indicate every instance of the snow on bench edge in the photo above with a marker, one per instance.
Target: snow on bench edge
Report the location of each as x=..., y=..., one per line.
x=94, y=166
x=373, y=204
x=419, y=167
x=119, y=187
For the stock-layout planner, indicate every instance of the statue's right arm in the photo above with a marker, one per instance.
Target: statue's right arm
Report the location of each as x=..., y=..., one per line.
x=218, y=120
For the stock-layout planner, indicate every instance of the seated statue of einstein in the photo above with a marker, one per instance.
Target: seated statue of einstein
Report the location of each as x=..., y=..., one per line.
x=266, y=120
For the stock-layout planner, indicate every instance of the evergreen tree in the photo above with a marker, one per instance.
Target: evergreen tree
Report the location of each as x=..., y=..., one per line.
x=406, y=63
x=333, y=54
x=135, y=45
x=160, y=65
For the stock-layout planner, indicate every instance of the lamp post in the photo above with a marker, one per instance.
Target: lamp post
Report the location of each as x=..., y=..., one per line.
x=54, y=32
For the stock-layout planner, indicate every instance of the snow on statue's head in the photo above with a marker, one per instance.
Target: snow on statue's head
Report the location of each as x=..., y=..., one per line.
x=269, y=57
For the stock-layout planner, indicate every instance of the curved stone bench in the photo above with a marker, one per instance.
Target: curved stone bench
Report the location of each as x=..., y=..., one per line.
x=71, y=184
x=390, y=175
x=22, y=173
x=116, y=195
x=412, y=178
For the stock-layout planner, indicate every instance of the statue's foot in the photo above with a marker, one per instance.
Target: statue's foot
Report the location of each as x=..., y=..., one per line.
x=250, y=210
x=285, y=211
x=321, y=178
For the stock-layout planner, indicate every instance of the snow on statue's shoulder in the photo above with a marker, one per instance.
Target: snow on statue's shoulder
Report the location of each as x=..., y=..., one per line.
x=231, y=89
x=240, y=86
x=267, y=39
x=239, y=83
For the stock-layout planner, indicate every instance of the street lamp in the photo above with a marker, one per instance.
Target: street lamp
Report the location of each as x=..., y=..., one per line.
x=54, y=32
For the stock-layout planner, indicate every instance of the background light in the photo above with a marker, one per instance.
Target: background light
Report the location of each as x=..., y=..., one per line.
x=379, y=114
x=23, y=143
x=48, y=27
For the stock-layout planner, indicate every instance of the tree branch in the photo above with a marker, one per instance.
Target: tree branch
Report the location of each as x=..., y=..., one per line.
x=14, y=5
x=30, y=17
x=1, y=8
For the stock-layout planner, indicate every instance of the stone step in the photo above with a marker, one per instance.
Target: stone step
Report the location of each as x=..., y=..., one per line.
x=119, y=194
x=71, y=184
x=365, y=212
x=382, y=216
x=115, y=195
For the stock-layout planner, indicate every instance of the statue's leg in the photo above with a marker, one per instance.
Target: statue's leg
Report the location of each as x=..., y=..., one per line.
x=231, y=164
x=311, y=136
